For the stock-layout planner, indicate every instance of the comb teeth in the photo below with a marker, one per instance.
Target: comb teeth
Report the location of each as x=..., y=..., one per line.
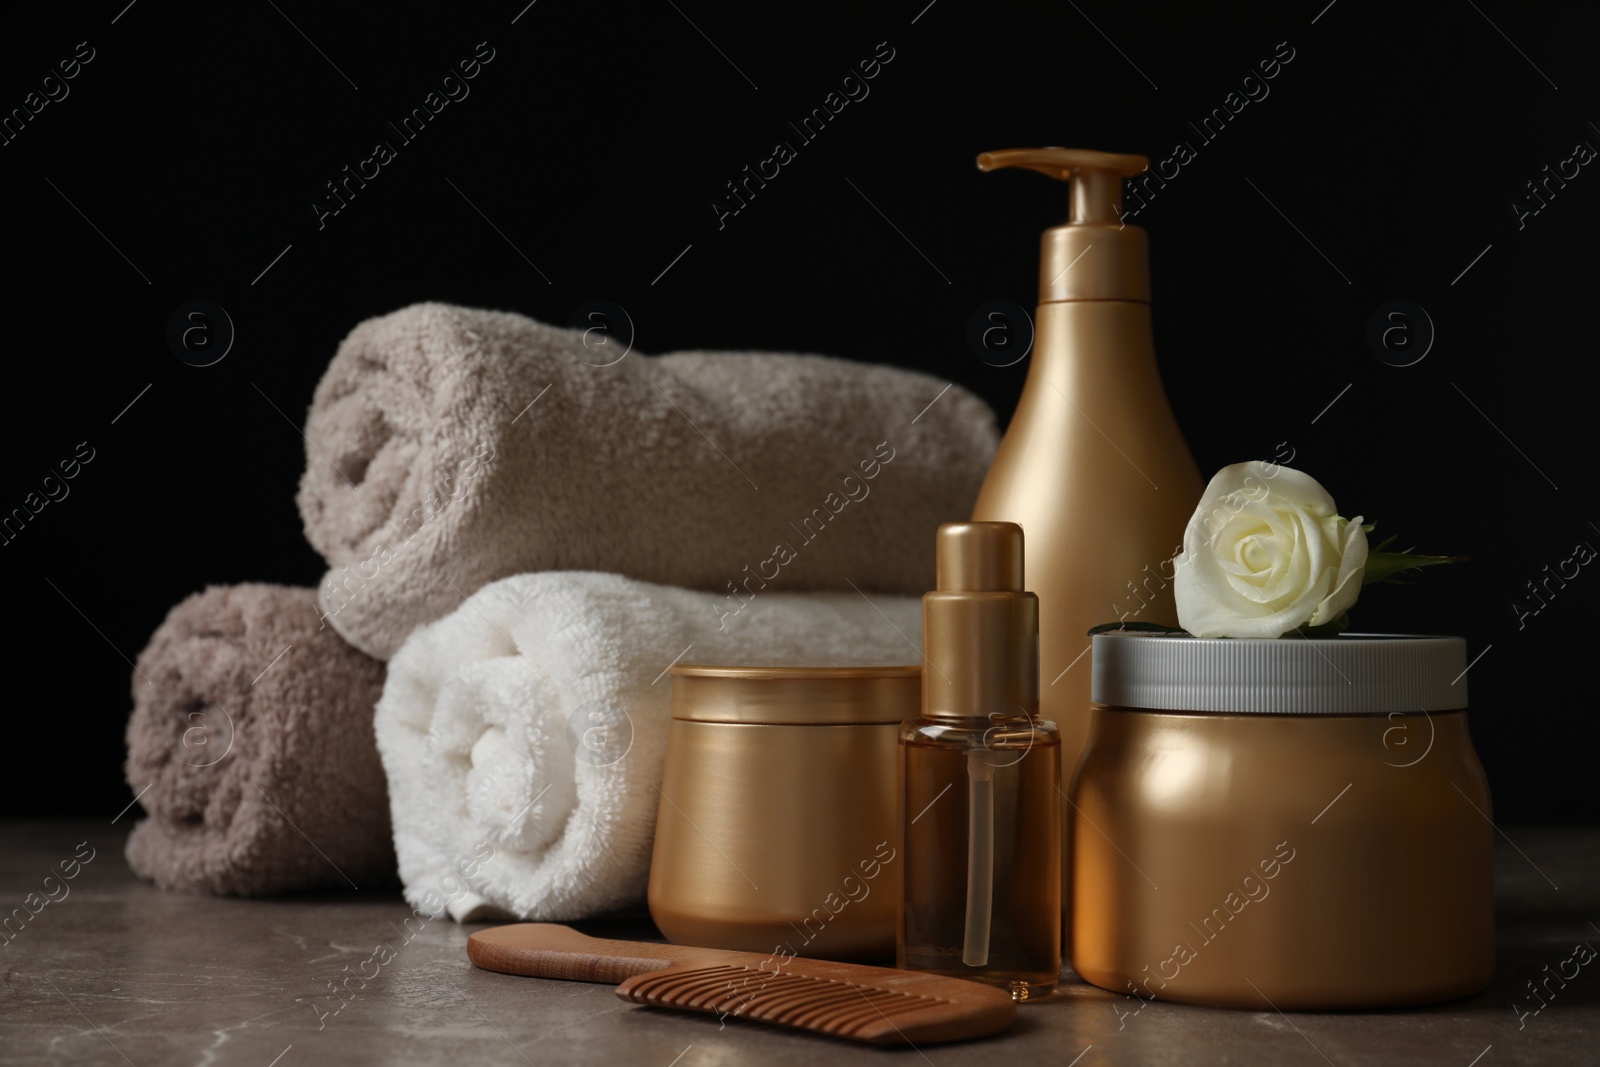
x=843, y=1009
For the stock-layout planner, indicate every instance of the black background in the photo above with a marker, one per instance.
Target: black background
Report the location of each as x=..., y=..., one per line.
x=596, y=140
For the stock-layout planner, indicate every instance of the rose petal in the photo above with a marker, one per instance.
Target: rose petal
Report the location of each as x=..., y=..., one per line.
x=1256, y=481
x=1296, y=487
x=1347, y=585
x=1284, y=580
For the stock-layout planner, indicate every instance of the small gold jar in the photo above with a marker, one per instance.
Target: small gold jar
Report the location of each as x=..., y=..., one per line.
x=1300, y=824
x=776, y=829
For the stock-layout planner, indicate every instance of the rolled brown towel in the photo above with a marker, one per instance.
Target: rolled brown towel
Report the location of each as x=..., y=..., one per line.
x=448, y=447
x=251, y=746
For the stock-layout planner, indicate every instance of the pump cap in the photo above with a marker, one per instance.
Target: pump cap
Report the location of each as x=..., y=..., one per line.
x=1117, y=264
x=980, y=630
x=979, y=557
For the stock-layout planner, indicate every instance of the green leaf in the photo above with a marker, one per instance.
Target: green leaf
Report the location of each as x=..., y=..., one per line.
x=1383, y=565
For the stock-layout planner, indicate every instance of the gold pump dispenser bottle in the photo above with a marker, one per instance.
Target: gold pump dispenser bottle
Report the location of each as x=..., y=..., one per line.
x=980, y=777
x=1093, y=466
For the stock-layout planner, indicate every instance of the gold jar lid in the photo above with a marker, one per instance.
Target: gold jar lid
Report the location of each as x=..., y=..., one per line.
x=801, y=695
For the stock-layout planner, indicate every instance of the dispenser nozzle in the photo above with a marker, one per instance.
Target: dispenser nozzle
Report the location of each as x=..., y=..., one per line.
x=1119, y=268
x=1096, y=177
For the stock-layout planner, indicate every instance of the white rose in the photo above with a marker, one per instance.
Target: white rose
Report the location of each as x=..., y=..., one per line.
x=1266, y=553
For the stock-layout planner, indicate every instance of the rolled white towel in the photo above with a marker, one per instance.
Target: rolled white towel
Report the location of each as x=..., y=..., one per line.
x=524, y=734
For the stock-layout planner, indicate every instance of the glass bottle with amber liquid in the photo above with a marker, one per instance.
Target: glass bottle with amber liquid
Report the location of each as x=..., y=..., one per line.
x=980, y=777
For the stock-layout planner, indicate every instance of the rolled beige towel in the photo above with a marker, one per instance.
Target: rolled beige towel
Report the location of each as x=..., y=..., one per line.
x=449, y=447
x=251, y=746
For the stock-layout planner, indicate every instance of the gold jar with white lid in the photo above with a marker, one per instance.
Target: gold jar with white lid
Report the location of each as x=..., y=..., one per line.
x=1294, y=823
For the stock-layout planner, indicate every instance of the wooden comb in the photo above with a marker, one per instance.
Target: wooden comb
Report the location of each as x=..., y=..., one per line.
x=877, y=1005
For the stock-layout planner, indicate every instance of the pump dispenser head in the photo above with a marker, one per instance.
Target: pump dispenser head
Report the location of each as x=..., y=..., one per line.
x=1115, y=255
x=980, y=629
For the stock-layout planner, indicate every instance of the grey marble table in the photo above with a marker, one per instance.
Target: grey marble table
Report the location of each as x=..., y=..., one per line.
x=118, y=972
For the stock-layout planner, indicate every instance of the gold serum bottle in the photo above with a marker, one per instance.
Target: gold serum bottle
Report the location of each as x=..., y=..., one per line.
x=980, y=777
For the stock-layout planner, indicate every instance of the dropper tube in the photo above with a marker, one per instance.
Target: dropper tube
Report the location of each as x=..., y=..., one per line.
x=980, y=858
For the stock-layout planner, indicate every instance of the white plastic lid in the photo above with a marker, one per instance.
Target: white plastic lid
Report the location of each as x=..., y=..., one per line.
x=1352, y=674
